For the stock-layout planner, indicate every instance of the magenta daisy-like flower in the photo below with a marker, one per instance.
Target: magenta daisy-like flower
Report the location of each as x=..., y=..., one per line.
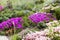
x=13, y=22
x=41, y=17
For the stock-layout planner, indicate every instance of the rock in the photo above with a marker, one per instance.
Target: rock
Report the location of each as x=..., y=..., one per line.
x=4, y=38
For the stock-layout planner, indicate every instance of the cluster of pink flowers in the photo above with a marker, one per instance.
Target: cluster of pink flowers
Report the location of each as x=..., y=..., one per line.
x=42, y=35
x=53, y=23
x=57, y=29
x=1, y=7
x=41, y=17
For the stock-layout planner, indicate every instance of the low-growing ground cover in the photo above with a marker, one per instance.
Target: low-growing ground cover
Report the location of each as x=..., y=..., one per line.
x=30, y=19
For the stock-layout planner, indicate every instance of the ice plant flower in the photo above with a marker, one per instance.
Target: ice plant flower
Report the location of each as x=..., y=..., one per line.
x=1, y=7
x=4, y=24
x=13, y=22
x=41, y=17
x=17, y=22
x=53, y=23
x=47, y=34
x=57, y=29
x=1, y=27
x=41, y=35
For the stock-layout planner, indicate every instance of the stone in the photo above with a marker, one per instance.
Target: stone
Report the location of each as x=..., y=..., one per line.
x=4, y=38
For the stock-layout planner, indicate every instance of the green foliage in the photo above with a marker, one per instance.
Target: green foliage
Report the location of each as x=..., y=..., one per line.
x=19, y=13
x=28, y=6
x=39, y=1
x=6, y=14
x=41, y=25
x=56, y=38
x=57, y=13
x=26, y=21
x=15, y=37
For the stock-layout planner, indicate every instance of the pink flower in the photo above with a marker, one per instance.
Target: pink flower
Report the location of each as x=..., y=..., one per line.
x=44, y=38
x=57, y=29
x=37, y=36
x=1, y=7
x=41, y=33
